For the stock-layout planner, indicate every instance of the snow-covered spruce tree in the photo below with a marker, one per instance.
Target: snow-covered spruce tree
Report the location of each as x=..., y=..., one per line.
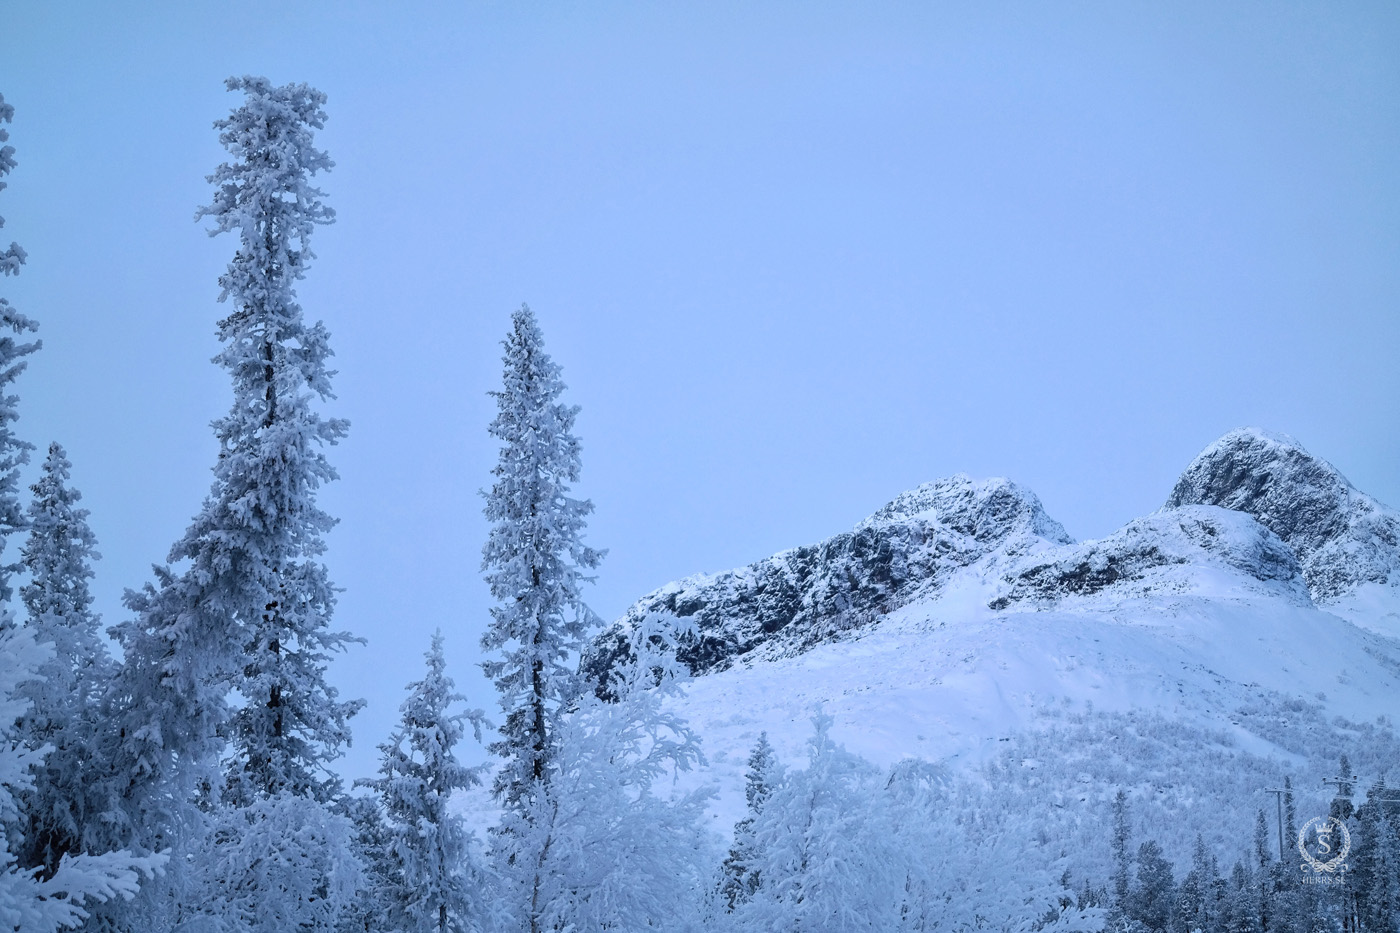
x=830, y=856
x=14, y=453
x=1153, y=894
x=1195, y=905
x=1262, y=852
x=534, y=561
x=250, y=607
x=435, y=880
x=1290, y=813
x=739, y=878
x=263, y=513
x=66, y=810
x=1119, y=916
x=58, y=900
x=606, y=852
x=370, y=843
x=1240, y=912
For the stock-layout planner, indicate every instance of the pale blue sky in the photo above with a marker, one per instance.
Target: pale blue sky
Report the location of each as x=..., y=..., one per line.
x=793, y=257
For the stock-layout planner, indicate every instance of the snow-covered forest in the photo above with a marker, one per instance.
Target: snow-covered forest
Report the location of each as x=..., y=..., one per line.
x=183, y=775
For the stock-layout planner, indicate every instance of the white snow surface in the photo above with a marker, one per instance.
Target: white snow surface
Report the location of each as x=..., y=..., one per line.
x=949, y=680
x=1182, y=659
x=1194, y=683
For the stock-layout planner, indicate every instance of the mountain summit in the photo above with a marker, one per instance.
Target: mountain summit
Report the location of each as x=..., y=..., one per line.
x=799, y=598
x=1342, y=537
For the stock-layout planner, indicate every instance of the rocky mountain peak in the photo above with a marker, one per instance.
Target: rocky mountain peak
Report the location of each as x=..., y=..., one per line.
x=988, y=511
x=1341, y=536
x=800, y=598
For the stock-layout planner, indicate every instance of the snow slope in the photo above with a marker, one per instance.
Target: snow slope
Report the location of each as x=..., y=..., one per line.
x=1192, y=658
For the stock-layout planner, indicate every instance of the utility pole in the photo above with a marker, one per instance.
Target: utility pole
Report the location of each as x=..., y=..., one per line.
x=1278, y=799
x=1343, y=785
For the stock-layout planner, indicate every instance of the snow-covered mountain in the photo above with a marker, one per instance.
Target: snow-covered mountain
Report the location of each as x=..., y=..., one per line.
x=1193, y=658
x=798, y=599
x=1346, y=542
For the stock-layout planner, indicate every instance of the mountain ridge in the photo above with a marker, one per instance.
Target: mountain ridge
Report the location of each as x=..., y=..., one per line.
x=803, y=596
x=1254, y=500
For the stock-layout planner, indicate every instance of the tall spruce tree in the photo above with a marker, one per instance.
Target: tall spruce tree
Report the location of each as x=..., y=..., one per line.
x=1341, y=807
x=434, y=881
x=1122, y=858
x=14, y=453
x=1290, y=814
x=262, y=515
x=1262, y=849
x=1151, y=898
x=1240, y=912
x=534, y=561
x=1195, y=906
x=249, y=607
x=67, y=810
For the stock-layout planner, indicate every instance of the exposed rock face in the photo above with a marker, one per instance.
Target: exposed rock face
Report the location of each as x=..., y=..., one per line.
x=1138, y=559
x=1254, y=513
x=808, y=595
x=1341, y=536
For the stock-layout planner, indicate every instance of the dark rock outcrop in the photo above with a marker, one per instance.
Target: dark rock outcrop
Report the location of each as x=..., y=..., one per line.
x=1341, y=536
x=809, y=595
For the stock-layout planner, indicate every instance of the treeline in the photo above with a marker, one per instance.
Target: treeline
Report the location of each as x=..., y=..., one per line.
x=842, y=845
x=1349, y=880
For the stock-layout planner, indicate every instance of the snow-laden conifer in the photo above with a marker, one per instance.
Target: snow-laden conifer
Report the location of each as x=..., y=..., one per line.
x=370, y=844
x=739, y=875
x=69, y=809
x=14, y=453
x=247, y=605
x=435, y=881
x=601, y=850
x=1240, y=909
x=59, y=899
x=534, y=561
x=251, y=607
x=1196, y=902
x=262, y=515
x=830, y=856
x=1151, y=899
